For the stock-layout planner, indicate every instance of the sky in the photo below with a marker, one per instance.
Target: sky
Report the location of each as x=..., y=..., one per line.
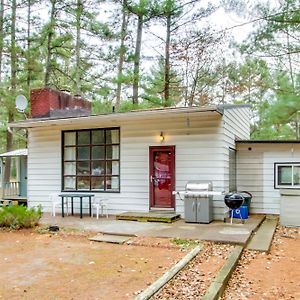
x=236, y=21
x=223, y=20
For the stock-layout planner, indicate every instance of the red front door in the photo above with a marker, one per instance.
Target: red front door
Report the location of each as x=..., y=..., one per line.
x=162, y=176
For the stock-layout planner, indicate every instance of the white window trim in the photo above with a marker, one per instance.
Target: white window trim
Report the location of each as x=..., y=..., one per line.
x=285, y=186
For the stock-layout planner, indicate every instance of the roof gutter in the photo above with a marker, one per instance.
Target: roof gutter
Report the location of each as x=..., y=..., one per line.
x=152, y=114
x=267, y=141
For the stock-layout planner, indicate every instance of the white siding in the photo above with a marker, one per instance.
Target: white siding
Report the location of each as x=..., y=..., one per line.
x=255, y=165
x=199, y=156
x=236, y=126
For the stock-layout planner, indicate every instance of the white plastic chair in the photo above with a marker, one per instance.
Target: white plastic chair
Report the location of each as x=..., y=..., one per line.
x=99, y=204
x=56, y=202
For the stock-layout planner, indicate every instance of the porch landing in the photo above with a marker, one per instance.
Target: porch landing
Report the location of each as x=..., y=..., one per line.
x=161, y=216
x=216, y=231
x=16, y=199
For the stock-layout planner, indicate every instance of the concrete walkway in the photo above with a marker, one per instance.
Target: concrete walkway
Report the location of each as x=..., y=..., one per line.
x=216, y=231
x=262, y=239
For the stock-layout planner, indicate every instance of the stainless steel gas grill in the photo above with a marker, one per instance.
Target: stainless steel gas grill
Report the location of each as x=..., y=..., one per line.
x=197, y=197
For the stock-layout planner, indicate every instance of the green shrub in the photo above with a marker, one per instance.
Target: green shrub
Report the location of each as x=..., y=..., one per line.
x=17, y=217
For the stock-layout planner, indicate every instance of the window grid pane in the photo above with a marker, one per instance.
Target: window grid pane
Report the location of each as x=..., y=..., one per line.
x=69, y=183
x=285, y=175
x=98, y=137
x=70, y=168
x=70, y=153
x=70, y=138
x=83, y=153
x=84, y=138
x=296, y=175
x=83, y=182
x=98, y=152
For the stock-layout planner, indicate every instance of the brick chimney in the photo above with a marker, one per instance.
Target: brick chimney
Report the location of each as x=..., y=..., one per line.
x=46, y=102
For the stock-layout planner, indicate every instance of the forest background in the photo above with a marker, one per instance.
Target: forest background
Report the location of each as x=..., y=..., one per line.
x=137, y=54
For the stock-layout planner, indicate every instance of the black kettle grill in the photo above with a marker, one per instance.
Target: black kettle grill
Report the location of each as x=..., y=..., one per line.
x=234, y=201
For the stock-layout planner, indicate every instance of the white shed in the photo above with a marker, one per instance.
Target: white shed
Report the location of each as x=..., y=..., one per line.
x=270, y=170
x=116, y=155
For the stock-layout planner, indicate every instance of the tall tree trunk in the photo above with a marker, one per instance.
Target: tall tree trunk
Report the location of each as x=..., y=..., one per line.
x=186, y=75
x=121, y=56
x=49, y=44
x=29, y=62
x=167, y=63
x=13, y=53
x=194, y=86
x=78, y=44
x=288, y=44
x=137, y=58
x=13, y=85
x=1, y=34
x=249, y=87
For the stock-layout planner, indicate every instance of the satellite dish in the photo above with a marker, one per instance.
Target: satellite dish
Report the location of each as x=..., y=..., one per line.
x=21, y=103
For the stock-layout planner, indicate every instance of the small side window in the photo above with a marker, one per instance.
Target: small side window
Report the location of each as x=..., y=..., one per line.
x=287, y=175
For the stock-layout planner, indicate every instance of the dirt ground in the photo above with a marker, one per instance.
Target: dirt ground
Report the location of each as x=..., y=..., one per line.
x=66, y=265
x=69, y=266
x=193, y=281
x=276, y=275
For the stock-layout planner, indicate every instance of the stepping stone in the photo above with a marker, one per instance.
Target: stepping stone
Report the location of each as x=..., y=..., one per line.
x=262, y=239
x=110, y=238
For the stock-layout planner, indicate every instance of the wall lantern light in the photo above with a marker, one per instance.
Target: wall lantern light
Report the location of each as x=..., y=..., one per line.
x=161, y=137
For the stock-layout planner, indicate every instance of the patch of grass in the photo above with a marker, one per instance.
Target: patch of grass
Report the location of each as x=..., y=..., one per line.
x=70, y=229
x=17, y=217
x=184, y=242
x=42, y=229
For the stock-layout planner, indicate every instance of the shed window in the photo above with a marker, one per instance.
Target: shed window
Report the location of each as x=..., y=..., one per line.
x=91, y=160
x=287, y=175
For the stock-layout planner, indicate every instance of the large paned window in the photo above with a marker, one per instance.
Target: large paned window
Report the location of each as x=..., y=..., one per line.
x=91, y=160
x=287, y=175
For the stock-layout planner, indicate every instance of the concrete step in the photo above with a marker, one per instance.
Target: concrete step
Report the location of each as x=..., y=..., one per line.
x=110, y=238
x=149, y=217
x=262, y=238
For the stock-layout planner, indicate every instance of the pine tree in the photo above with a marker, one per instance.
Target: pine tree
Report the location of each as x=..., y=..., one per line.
x=154, y=89
x=144, y=10
x=1, y=35
x=276, y=40
x=122, y=52
x=13, y=84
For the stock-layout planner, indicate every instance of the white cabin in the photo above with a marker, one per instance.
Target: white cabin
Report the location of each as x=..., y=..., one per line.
x=136, y=159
